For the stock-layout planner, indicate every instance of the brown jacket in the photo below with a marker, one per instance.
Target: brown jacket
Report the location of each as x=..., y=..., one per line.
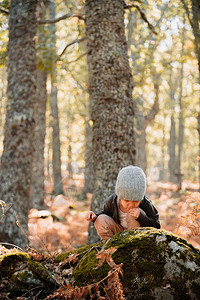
x=148, y=219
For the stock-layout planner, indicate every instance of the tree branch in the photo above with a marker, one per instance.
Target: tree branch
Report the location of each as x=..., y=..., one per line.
x=143, y=16
x=64, y=17
x=72, y=43
x=72, y=61
x=4, y=11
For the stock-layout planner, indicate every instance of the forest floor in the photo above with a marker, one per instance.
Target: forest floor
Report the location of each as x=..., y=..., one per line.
x=62, y=227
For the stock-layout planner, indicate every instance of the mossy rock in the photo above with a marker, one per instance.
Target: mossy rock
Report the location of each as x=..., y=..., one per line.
x=40, y=272
x=23, y=275
x=9, y=262
x=156, y=265
x=80, y=251
x=22, y=282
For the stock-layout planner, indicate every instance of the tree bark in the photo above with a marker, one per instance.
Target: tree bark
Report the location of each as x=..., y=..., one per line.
x=194, y=19
x=140, y=129
x=172, y=156
x=172, y=138
x=162, y=175
x=58, y=185
x=39, y=138
x=38, y=188
x=142, y=121
x=181, y=118
x=16, y=162
x=110, y=87
x=89, y=167
x=69, y=152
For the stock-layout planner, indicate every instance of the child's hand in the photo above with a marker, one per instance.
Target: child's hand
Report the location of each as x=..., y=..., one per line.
x=90, y=216
x=134, y=212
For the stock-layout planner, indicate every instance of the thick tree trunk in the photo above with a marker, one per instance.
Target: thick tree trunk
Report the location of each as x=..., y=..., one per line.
x=16, y=163
x=39, y=137
x=58, y=186
x=110, y=82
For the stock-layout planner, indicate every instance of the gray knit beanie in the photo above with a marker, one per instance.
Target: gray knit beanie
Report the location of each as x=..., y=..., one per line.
x=131, y=184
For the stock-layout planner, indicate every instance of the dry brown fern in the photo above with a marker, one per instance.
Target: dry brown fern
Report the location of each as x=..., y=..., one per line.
x=113, y=289
x=192, y=219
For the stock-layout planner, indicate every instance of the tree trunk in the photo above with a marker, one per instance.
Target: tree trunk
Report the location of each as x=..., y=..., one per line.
x=112, y=111
x=194, y=19
x=16, y=163
x=162, y=175
x=172, y=144
x=39, y=137
x=58, y=186
x=196, y=30
x=69, y=157
x=89, y=168
x=142, y=121
x=140, y=125
x=40, y=128
x=172, y=137
x=181, y=119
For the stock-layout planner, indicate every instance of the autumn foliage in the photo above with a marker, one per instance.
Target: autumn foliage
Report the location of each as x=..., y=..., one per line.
x=192, y=219
x=113, y=290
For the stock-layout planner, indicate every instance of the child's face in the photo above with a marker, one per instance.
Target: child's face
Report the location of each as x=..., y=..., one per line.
x=128, y=204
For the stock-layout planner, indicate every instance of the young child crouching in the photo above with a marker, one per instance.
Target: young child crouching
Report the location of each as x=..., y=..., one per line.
x=128, y=208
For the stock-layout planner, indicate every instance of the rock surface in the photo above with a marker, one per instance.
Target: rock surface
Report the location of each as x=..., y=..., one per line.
x=156, y=265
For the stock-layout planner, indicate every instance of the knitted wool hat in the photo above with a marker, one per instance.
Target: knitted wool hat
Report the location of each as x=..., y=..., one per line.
x=131, y=184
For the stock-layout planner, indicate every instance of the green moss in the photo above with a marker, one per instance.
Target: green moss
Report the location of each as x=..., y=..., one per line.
x=9, y=262
x=8, y=258
x=22, y=281
x=88, y=266
x=62, y=256
x=40, y=271
x=145, y=252
x=152, y=259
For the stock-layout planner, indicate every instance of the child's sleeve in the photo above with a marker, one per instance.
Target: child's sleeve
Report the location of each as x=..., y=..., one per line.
x=107, y=208
x=149, y=216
